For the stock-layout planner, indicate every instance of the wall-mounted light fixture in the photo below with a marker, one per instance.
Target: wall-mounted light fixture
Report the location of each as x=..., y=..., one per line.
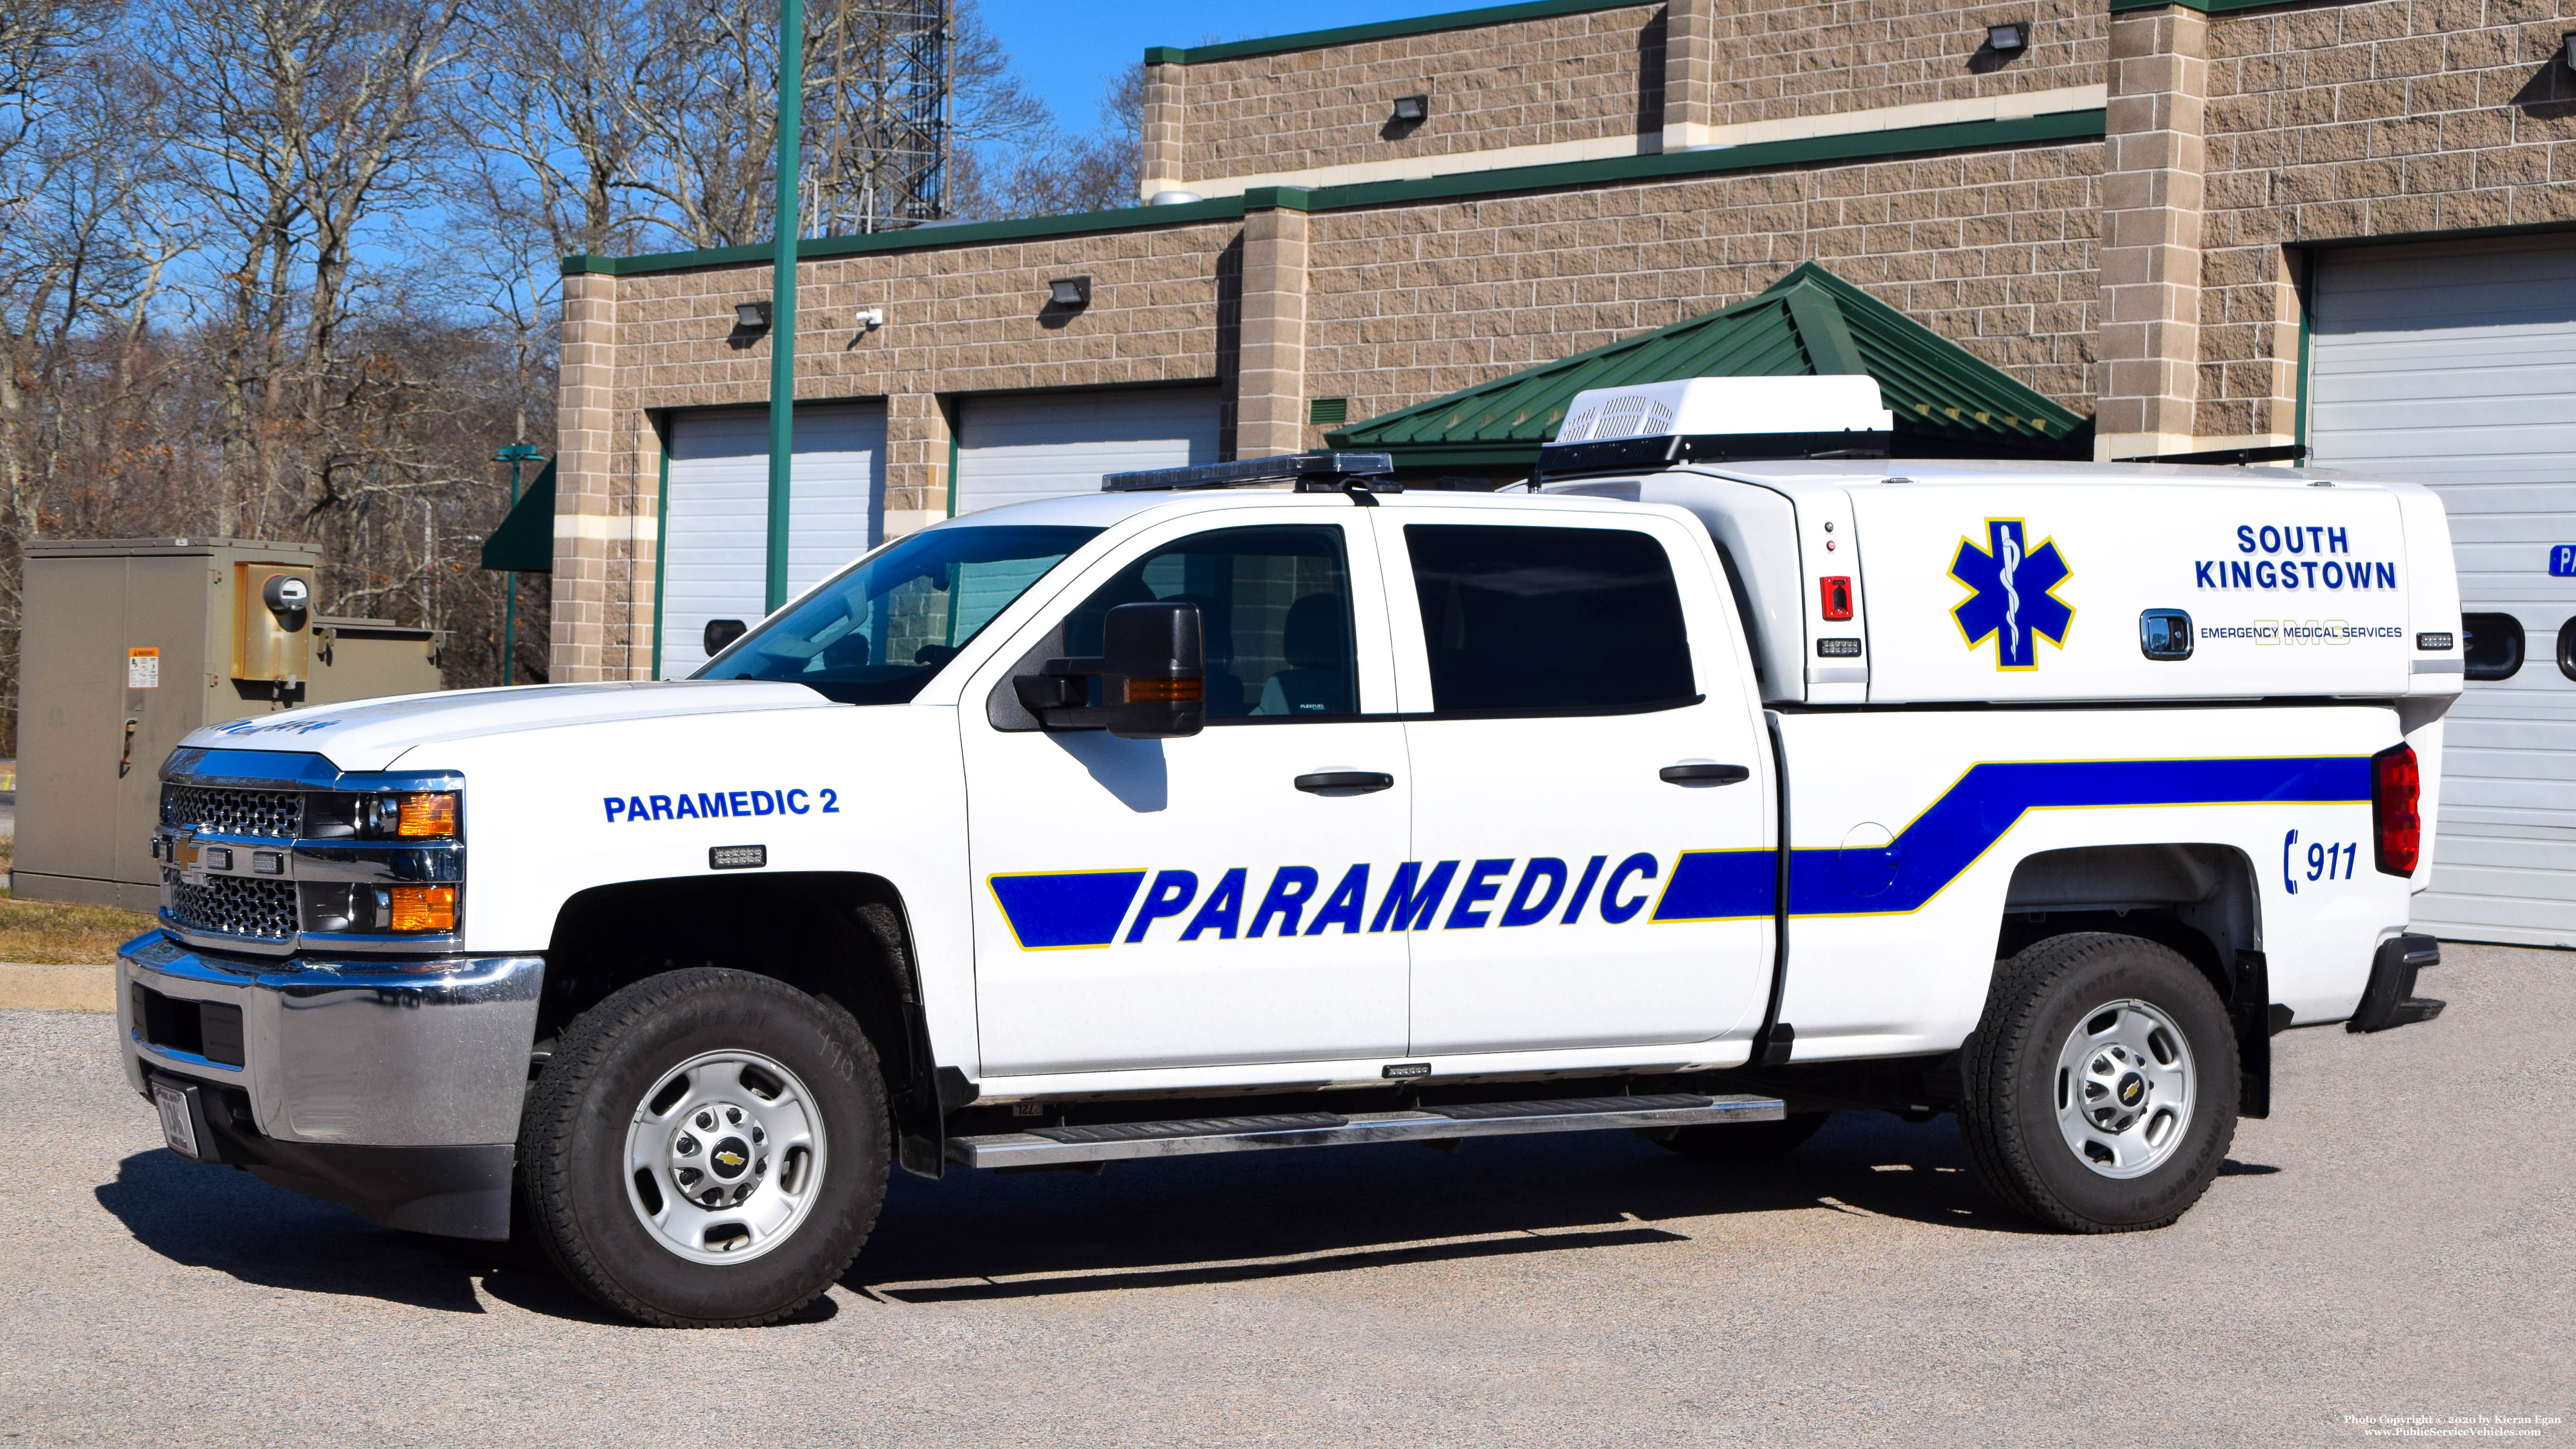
x=1069, y=292
x=751, y=316
x=2005, y=39
x=1412, y=108
x=2567, y=50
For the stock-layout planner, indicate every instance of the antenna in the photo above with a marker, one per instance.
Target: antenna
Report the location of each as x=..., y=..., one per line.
x=880, y=111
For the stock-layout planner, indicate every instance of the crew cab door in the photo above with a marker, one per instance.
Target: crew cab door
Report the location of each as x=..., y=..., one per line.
x=1181, y=902
x=1592, y=787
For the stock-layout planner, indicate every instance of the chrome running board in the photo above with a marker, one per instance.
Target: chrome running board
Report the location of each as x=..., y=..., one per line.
x=1111, y=1142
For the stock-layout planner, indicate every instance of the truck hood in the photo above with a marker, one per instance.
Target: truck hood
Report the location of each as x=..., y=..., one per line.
x=374, y=734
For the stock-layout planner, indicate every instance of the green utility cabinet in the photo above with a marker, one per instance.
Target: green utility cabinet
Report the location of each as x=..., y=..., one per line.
x=128, y=644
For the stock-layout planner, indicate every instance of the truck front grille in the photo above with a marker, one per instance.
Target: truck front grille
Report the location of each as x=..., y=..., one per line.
x=271, y=814
x=233, y=906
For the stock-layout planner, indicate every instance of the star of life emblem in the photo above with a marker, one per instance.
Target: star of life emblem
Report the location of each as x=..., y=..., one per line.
x=2011, y=602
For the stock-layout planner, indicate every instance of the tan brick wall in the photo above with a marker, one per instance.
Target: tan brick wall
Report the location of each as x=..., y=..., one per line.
x=1818, y=57
x=1692, y=60
x=1159, y=161
x=2382, y=118
x=1534, y=82
x=2151, y=234
x=1270, y=409
x=1993, y=250
x=957, y=320
x=586, y=471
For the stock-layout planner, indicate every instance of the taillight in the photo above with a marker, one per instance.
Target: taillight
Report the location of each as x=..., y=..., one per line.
x=2396, y=791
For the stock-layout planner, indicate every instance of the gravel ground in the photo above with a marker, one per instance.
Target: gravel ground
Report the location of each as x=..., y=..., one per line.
x=2394, y=1241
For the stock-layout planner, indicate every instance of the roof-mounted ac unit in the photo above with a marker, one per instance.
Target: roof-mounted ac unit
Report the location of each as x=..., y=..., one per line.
x=1712, y=418
x=1699, y=405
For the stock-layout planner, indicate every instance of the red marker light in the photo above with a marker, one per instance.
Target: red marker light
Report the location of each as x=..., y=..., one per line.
x=1837, y=597
x=2396, y=795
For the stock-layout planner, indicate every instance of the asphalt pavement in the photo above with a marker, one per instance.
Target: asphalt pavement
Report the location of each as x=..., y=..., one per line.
x=2394, y=1241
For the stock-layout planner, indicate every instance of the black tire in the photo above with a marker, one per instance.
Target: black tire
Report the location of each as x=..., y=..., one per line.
x=1745, y=1142
x=2011, y=1118
x=573, y=1144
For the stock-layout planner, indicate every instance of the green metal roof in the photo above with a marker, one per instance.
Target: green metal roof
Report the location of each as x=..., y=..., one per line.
x=1808, y=323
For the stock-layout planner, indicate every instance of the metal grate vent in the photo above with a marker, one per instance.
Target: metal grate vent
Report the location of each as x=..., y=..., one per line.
x=232, y=906
x=274, y=814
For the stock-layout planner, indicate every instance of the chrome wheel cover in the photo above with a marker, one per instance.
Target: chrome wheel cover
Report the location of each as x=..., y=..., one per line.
x=724, y=1157
x=2126, y=1089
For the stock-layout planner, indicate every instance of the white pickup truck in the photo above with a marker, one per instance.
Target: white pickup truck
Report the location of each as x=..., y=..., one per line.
x=1723, y=777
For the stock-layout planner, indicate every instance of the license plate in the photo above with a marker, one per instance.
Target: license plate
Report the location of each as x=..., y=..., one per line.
x=176, y=1126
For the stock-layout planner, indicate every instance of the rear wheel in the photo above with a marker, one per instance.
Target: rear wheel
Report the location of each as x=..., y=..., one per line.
x=1736, y=1142
x=706, y=1149
x=2102, y=1085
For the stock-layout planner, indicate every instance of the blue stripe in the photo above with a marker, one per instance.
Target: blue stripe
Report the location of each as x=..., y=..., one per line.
x=1718, y=885
x=1085, y=908
x=1066, y=908
x=1972, y=815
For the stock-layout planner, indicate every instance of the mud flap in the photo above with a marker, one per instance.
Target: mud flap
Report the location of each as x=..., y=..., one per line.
x=2257, y=1020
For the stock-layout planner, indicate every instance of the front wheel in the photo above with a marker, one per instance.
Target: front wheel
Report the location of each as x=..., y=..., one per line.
x=706, y=1149
x=2102, y=1086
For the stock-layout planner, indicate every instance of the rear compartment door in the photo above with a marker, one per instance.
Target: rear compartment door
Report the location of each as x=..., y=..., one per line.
x=2002, y=591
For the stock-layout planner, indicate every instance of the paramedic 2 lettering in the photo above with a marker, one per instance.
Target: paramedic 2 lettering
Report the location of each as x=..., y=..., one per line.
x=2293, y=556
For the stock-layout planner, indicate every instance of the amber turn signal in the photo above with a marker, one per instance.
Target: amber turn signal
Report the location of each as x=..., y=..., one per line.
x=1165, y=691
x=427, y=816
x=424, y=908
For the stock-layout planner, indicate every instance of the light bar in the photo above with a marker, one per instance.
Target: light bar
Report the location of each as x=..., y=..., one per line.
x=1309, y=472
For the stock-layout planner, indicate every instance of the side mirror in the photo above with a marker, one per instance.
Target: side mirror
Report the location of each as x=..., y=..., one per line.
x=721, y=632
x=1152, y=671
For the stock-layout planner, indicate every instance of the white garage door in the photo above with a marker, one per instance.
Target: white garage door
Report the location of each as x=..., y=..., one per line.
x=715, y=521
x=1044, y=445
x=2456, y=367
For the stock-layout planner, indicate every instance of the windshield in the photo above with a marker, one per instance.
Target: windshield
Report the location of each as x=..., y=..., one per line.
x=877, y=633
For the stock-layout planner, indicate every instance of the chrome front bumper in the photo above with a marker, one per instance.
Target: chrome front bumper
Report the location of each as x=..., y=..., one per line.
x=378, y=1083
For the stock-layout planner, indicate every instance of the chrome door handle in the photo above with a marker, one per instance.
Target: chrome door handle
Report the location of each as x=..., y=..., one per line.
x=1703, y=774
x=1358, y=782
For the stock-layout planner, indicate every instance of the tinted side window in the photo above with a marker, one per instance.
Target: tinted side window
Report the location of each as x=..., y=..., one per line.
x=2493, y=649
x=1276, y=603
x=1548, y=618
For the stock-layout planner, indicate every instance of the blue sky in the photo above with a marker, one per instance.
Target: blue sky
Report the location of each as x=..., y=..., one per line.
x=1067, y=51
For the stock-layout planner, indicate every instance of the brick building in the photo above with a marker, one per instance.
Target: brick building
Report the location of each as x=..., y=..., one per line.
x=2210, y=225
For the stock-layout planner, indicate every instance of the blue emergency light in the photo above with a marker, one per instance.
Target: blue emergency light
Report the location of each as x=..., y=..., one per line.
x=1306, y=472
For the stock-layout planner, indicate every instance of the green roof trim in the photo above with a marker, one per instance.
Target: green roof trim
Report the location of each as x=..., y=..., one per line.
x=525, y=541
x=1809, y=322
x=1384, y=30
x=920, y=238
x=1463, y=186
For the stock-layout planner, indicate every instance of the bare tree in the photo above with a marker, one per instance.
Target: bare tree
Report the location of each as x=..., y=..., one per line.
x=1060, y=174
x=710, y=99
x=290, y=268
